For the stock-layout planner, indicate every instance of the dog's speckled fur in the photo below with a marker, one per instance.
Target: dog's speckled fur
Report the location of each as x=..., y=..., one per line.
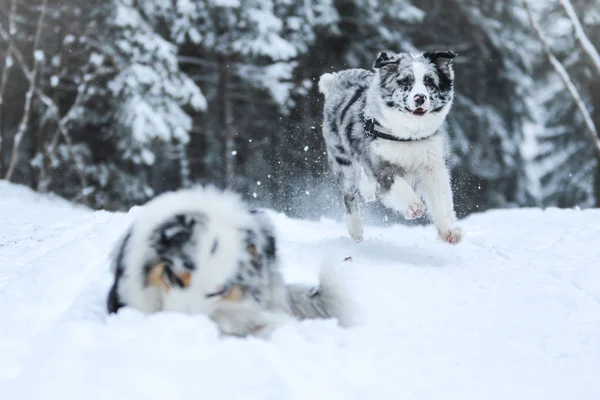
x=409, y=95
x=203, y=251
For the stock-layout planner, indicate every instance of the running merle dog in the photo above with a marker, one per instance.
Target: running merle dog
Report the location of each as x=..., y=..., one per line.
x=203, y=251
x=382, y=131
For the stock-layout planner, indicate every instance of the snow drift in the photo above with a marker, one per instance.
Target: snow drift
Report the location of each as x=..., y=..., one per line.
x=513, y=312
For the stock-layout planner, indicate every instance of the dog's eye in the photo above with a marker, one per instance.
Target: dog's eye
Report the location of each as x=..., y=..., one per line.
x=428, y=81
x=404, y=82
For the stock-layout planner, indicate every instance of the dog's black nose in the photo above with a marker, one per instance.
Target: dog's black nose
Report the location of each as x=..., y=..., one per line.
x=420, y=99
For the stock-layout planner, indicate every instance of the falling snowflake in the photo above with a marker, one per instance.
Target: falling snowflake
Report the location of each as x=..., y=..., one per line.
x=38, y=55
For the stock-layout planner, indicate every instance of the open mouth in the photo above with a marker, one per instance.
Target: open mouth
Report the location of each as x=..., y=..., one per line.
x=419, y=112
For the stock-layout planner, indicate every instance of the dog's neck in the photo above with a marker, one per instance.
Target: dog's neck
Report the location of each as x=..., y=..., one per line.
x=402, y=124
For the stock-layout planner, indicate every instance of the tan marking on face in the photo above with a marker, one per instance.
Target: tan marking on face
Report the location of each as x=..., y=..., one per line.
x=235, y=294
x=186, y=278
x=156, y=277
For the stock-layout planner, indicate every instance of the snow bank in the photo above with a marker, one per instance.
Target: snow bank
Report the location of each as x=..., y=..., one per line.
x=513, y=312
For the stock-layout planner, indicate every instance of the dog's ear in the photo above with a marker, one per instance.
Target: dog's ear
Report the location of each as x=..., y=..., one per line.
x=385, y=58
x=176, y=231
x=442, y=60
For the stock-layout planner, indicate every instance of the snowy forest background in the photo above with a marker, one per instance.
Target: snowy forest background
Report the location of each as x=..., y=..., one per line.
x=110, y=103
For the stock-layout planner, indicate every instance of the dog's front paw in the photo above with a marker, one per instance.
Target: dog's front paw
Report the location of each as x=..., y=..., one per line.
x=357, y=235
x=415, y=210
x=452, y=235
x=355, y=227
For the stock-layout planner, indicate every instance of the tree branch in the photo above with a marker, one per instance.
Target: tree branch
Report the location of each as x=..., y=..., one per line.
x=197, y=61
x=48, y=102
x=38, y=56
x=7, y=65
x=564, y=76
x=583, y=39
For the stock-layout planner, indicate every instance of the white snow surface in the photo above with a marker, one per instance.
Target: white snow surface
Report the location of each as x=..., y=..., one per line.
x=513, y=312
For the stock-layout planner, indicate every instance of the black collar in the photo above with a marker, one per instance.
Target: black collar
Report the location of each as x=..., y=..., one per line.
x=373, y=129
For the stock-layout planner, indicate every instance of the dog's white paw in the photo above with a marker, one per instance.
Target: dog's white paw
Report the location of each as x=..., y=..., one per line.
x=452, y=235
x=355, y=227
x=414, y=210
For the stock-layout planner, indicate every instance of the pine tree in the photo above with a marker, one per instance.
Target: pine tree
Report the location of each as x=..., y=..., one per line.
x=125, y=105
x=117, y=114
x=245, y=56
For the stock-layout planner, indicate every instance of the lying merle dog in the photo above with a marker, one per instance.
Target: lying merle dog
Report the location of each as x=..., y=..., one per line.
x=203, y=251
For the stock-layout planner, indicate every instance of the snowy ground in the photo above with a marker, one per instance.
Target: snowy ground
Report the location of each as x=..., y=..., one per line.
x=511, y=313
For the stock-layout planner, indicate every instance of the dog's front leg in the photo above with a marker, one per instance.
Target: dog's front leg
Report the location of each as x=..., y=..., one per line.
x=397, y=194
x=435, y=187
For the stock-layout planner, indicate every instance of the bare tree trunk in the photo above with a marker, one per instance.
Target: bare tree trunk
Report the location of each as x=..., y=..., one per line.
x=184, y=165
x=594, y=57
x=595, y=97
x=564, y=76
x=7, y=65
x=226, y=121
x=54, y=110
x=62, y=130
x=597, y=183
x=583, y=39
x=229, y=144
x=38, y=56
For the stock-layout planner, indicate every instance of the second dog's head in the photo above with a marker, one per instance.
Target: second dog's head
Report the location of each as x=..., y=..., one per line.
x=418, y=85
x=185, y=248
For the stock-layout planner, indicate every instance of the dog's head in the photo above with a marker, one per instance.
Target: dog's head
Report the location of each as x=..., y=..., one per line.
x=419, y=85
x=201, y=243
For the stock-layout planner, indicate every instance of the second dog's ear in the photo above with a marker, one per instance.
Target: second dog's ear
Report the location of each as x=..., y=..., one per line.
x=385, y=58
x=176, y=231
x=441, y=59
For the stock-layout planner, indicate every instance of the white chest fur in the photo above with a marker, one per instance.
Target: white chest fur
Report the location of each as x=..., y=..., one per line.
x=414, y=157
x=406, y=125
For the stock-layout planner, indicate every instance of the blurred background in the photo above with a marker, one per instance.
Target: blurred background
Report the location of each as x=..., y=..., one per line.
x=109, y=104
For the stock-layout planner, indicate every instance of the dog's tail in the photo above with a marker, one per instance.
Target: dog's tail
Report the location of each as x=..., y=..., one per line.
x=326, y=82
x=327, y=300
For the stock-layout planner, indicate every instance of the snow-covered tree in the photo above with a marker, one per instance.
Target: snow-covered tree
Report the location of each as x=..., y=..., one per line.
x=136, y=97
x=151, y=91
x=113, y=109
x=244, y=55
